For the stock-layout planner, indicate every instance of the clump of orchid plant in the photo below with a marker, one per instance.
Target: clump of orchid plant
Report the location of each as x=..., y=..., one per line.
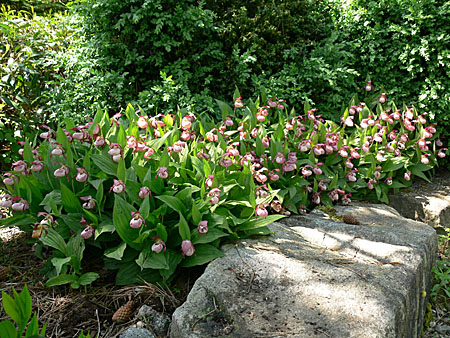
x=159, y=192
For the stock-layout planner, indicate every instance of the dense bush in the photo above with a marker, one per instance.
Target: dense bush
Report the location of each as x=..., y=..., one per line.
x=26, y=74
x=404, y=45
x=155, y=192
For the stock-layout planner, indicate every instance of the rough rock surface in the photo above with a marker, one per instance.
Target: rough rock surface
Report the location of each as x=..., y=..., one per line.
x=316, y=277
x=158, y=321
x=134, y=332
x=427, y=202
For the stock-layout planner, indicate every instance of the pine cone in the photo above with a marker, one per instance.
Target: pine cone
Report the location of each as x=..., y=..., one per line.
x=349, y=219
x=124, y=312
x=4, y=271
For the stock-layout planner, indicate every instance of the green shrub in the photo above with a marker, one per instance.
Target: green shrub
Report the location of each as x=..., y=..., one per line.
x=26, y=74
x=404, y=45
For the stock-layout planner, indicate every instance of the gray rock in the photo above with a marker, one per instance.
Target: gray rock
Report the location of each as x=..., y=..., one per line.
x=426, y=202
x=316, y=277
x=134, y=332
x=159, y=322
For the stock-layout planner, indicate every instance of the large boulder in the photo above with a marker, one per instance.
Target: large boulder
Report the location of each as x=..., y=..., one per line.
x=426, y=202
x=317, y=276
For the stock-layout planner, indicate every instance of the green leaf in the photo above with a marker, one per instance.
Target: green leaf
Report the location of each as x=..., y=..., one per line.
x=33, y=327
x=196, y=215
x=151, y=260
x=161, y=232
x=58, y=263
x=61, y=280
x=173, y=202
x=105, y=226
x=7, y=329
x=105, y=164
x=185, y=233
x=260, y=222
x=54, y=240
x=204, y=253
x=121, y=171
x=27, y=152
x=69, y=200
x=121, y=218
x=12, y=308
x=54, y=196
x=225, y=109
x=88, y=277
x=211, y=236
x=117, y=252
x=122, y=137
x=145, y=207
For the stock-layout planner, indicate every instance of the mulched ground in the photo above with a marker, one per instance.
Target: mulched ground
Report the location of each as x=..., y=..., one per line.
x=69, y=311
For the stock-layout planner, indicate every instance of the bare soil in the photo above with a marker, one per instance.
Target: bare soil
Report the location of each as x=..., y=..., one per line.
x=69, y=311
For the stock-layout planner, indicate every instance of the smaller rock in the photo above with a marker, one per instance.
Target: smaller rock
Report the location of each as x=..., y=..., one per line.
x=137, y=333
x=159, y=322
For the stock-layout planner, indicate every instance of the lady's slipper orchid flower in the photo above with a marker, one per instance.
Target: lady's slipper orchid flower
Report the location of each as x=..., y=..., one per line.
x=316, y=198
x=149, y=153
x=49, y=134
x=439, y=143
x=78, y=134
x=187, y=248
x=89, y=202
x=186, y=123
x=6, y=201
x=19, y=204
x=238, y=102
x=407, y=175
x=37, y=166
x=144, y=191
x=82, y=175
x=369, y=86
x=424, y=159
x=226, y=162
x=388, y=180
x=99, y=141
x=382, y=99
x=162, y=172
x=9, y=178
x=351, y=176
x=131, y=142
x=136, y=220
x=343, y=151
x=211, y=137
x=287, y=167
x=346, y=199
x=441, y=153
x=185, y=135
x=318, y=150
x=209, y=181
x=371, y=183
x=158, y=245
x=302, y=210
x=118, y=186
x=203, y=227
x=279, y=158
x=276, y=205
x=215, y=195
x=20, y=167
x=306, y=172
x=316, y=170
x=142, y=122
x=273, y=176
x=261, y=178
x=261, y=191
x=115, y=149
x=228, y=121
x=61, y=171
x=88, y=231
x=261, y=210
